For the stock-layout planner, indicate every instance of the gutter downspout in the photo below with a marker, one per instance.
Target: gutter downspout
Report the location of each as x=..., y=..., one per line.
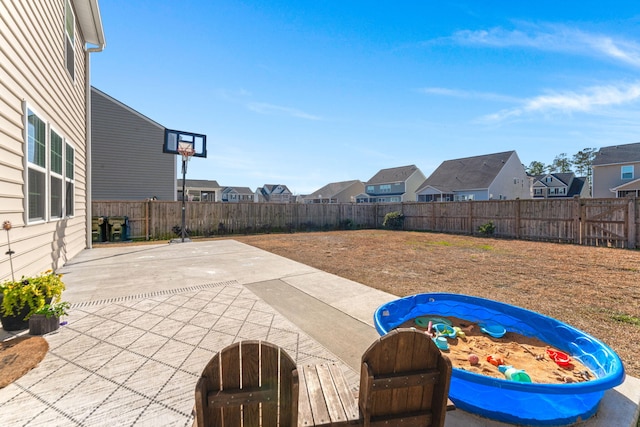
x=87, y=90
x=100, y=45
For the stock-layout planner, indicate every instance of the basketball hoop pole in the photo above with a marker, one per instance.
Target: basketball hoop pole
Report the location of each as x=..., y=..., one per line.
x=183, y=232
x=186, y=150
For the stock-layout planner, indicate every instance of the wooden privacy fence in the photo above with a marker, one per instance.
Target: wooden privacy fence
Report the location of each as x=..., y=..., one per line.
x=593, y=222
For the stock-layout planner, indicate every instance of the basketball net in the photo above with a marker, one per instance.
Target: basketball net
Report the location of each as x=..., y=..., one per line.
x=185, y=149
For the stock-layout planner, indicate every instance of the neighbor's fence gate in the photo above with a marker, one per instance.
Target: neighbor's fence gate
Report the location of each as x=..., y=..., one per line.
x=592, y=222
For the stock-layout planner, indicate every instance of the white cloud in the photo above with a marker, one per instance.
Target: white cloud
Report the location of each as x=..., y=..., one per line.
x=457, y=93
x=263, y=108
x=588, y=100
x=558, y=38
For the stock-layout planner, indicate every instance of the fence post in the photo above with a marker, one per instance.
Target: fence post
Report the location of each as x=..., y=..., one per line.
x=470, y=204
x=517, y=224
x=579, y=212
x=582, y=221
x=631, y=223
x=146, y=219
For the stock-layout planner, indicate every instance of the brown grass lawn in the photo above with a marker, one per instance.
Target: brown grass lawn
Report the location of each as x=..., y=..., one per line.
x=596, y=290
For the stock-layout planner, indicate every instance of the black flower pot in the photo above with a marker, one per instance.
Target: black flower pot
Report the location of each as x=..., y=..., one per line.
x=15, y=322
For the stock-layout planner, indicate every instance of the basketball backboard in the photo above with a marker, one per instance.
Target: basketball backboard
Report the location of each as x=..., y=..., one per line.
x=172, y=139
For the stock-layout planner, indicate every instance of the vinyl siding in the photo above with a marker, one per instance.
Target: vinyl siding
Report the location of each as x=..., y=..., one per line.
x=412, y=185
x=504, y=183
x=127, y=158
x=609, y=176
x=33, y=73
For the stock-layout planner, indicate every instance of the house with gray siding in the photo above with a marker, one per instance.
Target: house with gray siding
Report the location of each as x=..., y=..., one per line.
x=45, y=50
x=200, y=190
x=392, y=185
x=237, y=194
x=559, y=186
x=273, y=193
x=127, y=161
x=336, y=192
x=499, y=176
x=616, y=171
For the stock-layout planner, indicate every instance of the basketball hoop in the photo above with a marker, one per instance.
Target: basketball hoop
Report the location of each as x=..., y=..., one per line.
x=185, y=149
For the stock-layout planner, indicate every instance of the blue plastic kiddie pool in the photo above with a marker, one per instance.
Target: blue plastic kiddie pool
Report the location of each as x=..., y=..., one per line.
x=509, y=401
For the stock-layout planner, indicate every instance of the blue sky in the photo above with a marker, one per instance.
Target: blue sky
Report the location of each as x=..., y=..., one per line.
x=304, y=93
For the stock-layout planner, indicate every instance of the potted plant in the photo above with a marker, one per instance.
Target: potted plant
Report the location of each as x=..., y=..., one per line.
x=47, y=319
x=21, y=298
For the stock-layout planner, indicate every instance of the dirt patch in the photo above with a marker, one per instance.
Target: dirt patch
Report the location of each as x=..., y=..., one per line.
x=593, y=289
x=18, y=356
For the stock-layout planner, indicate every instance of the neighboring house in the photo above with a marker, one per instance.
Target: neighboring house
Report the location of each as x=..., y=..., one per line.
x=336, y=192
x=45, y=49
x=200, y=190
x=127, y=161
x=559, y=185
x=237, y=194
x=498, y=176
x=616, y=171
x=392, y=185
x=273, y=193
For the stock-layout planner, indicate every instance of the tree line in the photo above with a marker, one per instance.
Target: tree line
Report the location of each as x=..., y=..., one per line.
x=580, y=163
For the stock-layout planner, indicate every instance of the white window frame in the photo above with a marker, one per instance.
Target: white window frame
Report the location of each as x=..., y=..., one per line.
x=57, y=175
x=33, y=166
x=627, y=169
x=67, y=181
x=70, y=40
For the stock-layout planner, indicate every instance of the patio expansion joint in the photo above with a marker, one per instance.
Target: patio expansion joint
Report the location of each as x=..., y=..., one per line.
x=153, y=294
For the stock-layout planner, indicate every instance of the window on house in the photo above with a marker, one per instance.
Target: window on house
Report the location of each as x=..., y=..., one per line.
x=55, y=175
x=385, y=188
x=69, y=181
x=50, y=172
x=626, y=172
x=370, y=188
x=69, y=30
x=548, y=179
x=36, y=165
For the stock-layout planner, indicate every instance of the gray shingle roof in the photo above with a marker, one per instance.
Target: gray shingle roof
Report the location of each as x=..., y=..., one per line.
x=467, y=173
x=564, y=177
x=239, y=190
x=331, y=189
x=627, y=153
x=576, y=186
x=200, y=183
x=399, y=174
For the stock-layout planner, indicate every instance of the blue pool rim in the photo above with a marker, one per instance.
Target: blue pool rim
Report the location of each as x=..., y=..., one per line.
x=520, y=403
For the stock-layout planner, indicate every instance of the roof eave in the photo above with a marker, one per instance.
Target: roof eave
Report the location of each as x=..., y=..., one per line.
x=88, y=16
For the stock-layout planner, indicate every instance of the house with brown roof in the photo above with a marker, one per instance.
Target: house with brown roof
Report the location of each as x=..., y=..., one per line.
x=498, y=176
x=616, y=171
x=392, y=185
x=336, y=192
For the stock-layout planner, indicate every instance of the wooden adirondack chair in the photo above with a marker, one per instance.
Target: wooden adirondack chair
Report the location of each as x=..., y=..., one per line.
x=404, y=380
x=251, y=381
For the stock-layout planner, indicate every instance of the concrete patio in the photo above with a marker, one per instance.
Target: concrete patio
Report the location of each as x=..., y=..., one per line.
x=146, y=319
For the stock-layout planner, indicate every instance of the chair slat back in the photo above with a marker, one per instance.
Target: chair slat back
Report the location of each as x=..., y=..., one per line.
x=404, y=376
x=248, y=383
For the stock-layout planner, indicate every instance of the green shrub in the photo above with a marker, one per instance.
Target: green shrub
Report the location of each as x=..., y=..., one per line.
x=393, y=221
x=487, y=229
